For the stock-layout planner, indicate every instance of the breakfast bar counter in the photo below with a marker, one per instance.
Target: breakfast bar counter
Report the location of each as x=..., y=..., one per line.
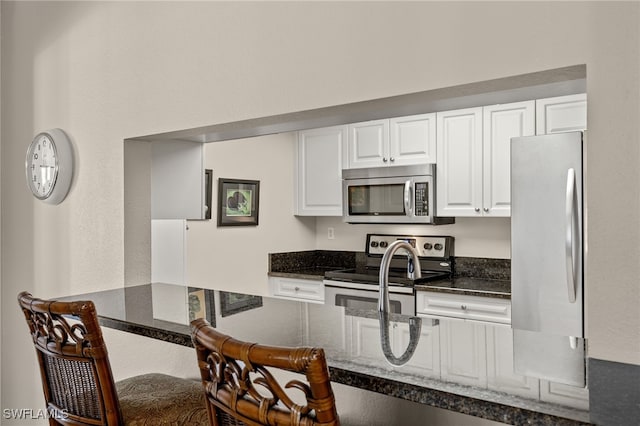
x=350, y=338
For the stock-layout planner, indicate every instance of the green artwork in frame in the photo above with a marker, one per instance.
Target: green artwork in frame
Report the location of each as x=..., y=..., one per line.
x=238, y=202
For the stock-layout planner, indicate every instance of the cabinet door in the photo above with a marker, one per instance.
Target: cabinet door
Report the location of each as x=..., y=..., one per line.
x=500, y=372
x=426, y=359
x=365, y=339
x=476, y=308
x=297, y=289
x=463, y=353
x=558, y=393
x=369, y=144
x=561, y=114
x=459, y=162
x=501, y=123
x=319, y=171
x=177, y=180
x=169, y=251
x=364, y=336
x=412, y=140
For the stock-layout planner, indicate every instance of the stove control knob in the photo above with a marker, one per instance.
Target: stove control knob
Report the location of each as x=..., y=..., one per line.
x=438, y=246
x=383, y=244
x=374, y=244
x=428, y=246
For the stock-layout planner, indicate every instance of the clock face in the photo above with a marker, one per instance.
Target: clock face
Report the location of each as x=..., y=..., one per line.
x=49, y=166
x=42, y=166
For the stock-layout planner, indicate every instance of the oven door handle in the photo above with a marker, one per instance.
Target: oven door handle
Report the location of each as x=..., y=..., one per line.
x=408, y=191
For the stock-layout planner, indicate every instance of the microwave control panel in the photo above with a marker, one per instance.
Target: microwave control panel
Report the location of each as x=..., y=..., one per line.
x=421, y=199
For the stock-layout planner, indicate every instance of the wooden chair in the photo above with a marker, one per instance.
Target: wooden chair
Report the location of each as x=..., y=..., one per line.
x=232, y=370
x=77, y=379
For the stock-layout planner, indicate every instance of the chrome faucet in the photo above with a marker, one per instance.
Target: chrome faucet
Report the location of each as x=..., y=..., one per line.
x=413, y=270
x=415, y=323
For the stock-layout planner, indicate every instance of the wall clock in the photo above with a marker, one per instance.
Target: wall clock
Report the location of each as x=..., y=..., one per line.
x=49, y=166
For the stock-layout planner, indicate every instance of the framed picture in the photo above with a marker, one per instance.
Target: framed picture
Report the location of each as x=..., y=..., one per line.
x=208, y=183
x=238, y=202
x=202, y=305
x=232, y=303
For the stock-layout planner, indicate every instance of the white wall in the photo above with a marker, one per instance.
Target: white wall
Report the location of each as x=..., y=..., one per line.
x=106, y=71
x=475, y=237
x=235, y=258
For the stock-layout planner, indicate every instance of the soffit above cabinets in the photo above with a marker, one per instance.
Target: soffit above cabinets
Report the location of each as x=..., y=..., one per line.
x=556, y=82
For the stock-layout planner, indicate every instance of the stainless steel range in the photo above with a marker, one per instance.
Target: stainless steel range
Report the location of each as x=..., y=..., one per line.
x=358, y=288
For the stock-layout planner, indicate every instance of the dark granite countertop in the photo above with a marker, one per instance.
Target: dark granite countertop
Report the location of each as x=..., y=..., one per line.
x=309, y=265
x=163, y=311
x=316, y=274
x=473, y=276
x=469, y=286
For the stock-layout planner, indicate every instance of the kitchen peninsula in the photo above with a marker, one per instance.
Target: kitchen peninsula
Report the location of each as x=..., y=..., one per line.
x=162, y=311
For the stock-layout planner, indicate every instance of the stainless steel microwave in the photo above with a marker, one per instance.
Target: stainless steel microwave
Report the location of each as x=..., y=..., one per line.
x=395, y=194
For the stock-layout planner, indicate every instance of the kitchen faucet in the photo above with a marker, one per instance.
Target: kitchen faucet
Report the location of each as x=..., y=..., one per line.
x=413, y=270
x=415, y=323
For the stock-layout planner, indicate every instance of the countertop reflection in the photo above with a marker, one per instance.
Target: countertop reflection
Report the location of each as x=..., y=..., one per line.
x=350, y=338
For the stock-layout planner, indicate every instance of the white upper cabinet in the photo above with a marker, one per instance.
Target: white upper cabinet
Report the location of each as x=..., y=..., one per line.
x=459, y=162
x=368, y=144
x=473, y=151
x=177, y=180
x=319, y=163
x=561, y=114
x=412, y=140
x=500, y=124
x=395, y=142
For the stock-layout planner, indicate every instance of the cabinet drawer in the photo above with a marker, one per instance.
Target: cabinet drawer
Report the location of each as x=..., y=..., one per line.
x=465, y=307
x=290, y=288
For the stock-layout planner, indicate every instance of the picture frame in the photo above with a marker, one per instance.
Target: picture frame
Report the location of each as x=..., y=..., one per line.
x=208, y=184
x=202, y=305
x=238, y=202
x=233, y=303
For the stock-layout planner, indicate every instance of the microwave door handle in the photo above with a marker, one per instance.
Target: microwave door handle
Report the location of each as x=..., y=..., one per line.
x=408, y=191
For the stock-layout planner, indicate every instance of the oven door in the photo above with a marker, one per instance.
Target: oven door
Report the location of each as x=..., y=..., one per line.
x=366, y=299
x=406, y=199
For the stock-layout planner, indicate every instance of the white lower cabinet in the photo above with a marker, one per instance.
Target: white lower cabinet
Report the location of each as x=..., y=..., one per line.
x=426, y=359
x=500, y=370
x=558, y=393
x=476, y=348
x=463, y=354
x=297, y=289
x=364, y=335
x=487, y=309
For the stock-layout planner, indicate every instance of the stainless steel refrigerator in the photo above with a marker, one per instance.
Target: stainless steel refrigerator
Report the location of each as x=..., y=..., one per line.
x=547, y=248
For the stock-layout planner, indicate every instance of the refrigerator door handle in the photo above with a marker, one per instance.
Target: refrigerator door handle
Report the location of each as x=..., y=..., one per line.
x=573, y=342
x=571, y=211
x=408, y=205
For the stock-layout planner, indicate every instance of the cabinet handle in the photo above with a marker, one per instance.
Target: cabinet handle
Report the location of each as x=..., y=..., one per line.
x=463, y=307
x=296, y=288
x=477, y=209
x=392, y=159
x=384, y=159
x=486, y=210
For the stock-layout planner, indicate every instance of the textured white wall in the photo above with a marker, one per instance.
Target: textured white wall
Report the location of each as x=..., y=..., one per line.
x=106, y=71
x=235, y=258
x=475, y=237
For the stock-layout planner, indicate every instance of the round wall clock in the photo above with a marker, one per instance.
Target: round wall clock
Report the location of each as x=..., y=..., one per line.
x=49, y=166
